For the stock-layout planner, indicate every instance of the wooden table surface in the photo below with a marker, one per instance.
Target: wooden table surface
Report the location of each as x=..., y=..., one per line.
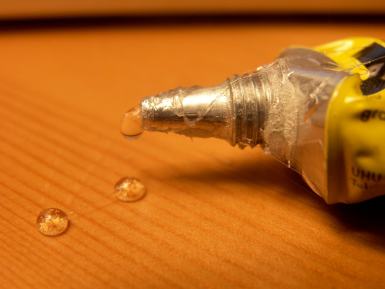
x=214, y=217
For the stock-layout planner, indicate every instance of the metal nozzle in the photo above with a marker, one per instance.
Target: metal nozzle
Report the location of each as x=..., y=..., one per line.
x=228, y=111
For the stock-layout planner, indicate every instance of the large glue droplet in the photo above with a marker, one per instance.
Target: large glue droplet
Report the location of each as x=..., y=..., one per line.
x=52, y=222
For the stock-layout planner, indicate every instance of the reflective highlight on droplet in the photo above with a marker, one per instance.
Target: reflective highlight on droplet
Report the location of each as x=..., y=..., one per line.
x=132, y=124
x=129, y=190
x=52, y=222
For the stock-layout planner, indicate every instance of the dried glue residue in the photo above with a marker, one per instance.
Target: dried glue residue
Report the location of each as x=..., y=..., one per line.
x=52, y=222
x=129, y=190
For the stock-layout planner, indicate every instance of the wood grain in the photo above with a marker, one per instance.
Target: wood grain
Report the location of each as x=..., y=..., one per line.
x=214, y=217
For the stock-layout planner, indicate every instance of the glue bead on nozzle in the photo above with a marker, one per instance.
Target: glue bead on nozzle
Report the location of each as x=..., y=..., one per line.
x=132, y=124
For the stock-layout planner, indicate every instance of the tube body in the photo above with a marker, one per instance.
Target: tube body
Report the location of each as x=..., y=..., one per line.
x=285, y=107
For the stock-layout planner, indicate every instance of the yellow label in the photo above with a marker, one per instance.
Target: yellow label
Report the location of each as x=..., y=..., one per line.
x=355, y=122
x=355, y=144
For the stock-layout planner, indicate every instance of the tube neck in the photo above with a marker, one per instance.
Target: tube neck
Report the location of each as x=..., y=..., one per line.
x=247, y=110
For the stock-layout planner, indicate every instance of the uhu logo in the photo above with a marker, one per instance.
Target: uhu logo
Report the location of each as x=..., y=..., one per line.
x=366, y=175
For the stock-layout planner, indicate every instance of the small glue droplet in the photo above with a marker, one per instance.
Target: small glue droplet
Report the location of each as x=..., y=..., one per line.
x=129, y=190
x=52, y=222
x=132, y=124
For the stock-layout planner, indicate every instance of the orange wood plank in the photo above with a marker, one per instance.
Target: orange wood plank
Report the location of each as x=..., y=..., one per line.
x=214, y=217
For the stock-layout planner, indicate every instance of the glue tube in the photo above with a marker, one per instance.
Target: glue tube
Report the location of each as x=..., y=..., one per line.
x=319, y=111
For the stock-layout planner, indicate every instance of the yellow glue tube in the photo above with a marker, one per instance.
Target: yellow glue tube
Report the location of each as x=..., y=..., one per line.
x=320, y=111
x=355, y=122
